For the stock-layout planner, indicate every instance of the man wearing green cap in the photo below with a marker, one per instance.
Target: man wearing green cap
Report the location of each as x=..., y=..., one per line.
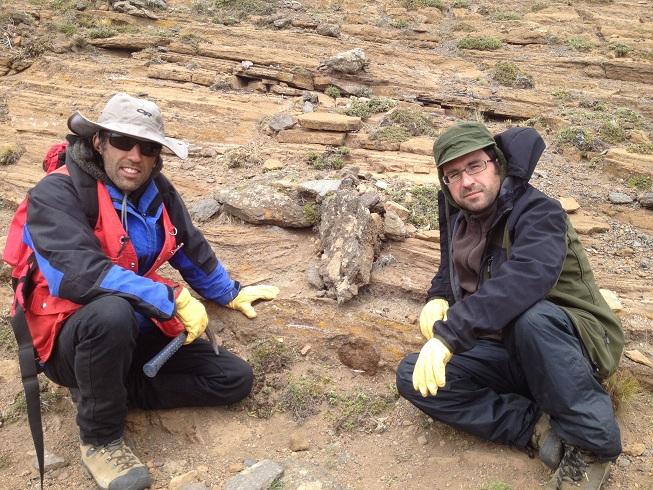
x=518, y=334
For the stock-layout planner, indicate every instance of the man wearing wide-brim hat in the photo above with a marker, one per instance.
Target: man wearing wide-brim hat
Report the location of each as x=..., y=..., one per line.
x=518, y=336
x=98, y=228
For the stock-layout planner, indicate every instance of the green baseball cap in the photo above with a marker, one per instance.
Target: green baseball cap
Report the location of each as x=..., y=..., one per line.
x=460, y=139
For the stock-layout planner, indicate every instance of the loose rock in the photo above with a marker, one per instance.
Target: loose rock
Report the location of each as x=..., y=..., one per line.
x=204, y=209
x=298, y=442
x=397, y=209
x=352, y=61
x=181, y=481
x=358, y=353
x=569, y=204
x=612, y=299
x=646, y=200
x=637, y=356
x=635, y=449
x=282, y=121
x=329, y=30
x=319, y=187
x=393, y=227
x=313, y=277
x=257, y=477
x=273, y=164
x=619, y=198
x=51, y=462
x=260, y=204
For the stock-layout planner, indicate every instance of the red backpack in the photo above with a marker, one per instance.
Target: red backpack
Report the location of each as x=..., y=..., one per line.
x=16, y=253
x=21, y=259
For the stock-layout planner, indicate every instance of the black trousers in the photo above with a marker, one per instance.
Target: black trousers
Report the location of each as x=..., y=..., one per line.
x=101, y=352
x=498, y=389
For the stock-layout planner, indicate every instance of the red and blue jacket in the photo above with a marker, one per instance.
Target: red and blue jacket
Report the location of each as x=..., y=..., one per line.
x=80, y=251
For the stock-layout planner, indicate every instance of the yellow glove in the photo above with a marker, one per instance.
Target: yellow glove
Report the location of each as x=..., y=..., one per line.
x=428, y=375
x=192, y=314
x=433, y=311
x=249, y=294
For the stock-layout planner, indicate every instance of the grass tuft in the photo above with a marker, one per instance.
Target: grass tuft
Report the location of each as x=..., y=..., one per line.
x=496, y=485
x=242, y=156
x=508, y=73
x=622, y=387
x=10, y=154
x=7, y=339
x=364, y=108
x=311, y=212
x=50, y=396
x=242, y=9
x=481, y=43
x=415, y=122
x=302, y=397
x=418, y=4
x=423, y=207
x=332, y=91
x=619, y=49
x=641, y=148
x=506, y=15
x=579, y=43
x=640, y=182
x=333, y=158
x=393, y=134
x=358, y=412
x=270, y=356
x=576, y=137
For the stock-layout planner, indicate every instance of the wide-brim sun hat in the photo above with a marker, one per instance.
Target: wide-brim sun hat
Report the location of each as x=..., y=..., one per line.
x=130, y=116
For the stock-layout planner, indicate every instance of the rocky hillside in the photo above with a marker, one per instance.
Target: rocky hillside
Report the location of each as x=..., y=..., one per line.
x=311, y=127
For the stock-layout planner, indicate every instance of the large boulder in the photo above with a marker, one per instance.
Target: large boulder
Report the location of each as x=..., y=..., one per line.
x=352, y=61
x=260, y=204
x=349, y=236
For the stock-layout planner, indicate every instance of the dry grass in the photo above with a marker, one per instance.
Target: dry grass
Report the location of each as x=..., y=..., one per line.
x=622, y=387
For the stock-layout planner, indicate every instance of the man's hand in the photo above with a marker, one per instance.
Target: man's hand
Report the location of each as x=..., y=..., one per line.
x=428, y=375
x=433, y=311
x=192, y=314
x=249, y=294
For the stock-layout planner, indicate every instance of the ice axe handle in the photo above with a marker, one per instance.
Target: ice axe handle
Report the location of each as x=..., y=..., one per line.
x=152, y=367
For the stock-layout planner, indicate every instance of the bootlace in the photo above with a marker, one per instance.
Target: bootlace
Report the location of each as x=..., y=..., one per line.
x=572, y=465
x=120, y=455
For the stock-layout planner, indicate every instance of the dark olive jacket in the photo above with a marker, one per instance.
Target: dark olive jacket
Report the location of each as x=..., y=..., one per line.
x=532, y=253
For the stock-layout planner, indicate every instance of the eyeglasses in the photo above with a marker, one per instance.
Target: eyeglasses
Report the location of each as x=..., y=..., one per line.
x=475, y=167
x=126, y=143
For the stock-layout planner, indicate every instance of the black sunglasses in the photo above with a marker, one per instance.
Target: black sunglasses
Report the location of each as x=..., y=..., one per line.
x=126, y=143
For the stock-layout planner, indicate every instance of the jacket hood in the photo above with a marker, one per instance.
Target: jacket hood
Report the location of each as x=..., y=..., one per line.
x=522, y=148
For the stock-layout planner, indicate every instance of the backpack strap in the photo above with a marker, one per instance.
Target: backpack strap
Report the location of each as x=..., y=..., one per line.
x=506, y=240
x=29, y=373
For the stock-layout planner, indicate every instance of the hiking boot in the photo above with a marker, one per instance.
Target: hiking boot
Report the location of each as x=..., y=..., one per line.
x=546, y=443
x=579, y=470
x=114, y=467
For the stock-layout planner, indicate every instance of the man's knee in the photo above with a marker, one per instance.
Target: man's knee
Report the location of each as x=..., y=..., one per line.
x=405, y=376
x=245, y=375
x=237, y=385
x=110, y=317
x=539, y=321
